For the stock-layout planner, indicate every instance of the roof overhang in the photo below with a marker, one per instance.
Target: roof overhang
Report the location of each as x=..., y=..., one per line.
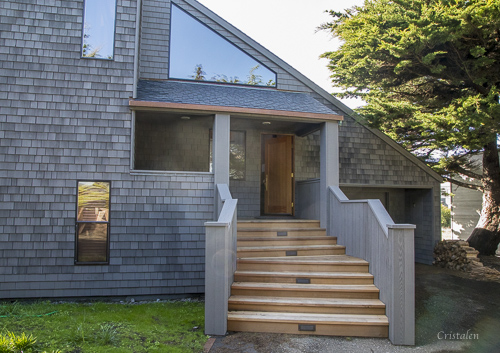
x=240, y=111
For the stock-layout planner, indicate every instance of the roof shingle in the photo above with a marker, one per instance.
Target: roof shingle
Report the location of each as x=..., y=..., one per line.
x=228, y=96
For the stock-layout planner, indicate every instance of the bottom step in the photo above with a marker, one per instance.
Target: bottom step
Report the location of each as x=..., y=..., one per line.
x=309, y=324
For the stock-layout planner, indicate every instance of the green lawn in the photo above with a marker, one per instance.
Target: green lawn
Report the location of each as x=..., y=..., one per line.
x=173, y=326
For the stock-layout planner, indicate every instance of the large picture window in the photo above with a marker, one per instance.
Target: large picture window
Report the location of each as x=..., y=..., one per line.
x=98, y=38
x=92, y=222
x=200, y=54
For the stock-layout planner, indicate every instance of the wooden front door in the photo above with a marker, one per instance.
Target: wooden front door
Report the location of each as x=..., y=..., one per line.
x=278, y=174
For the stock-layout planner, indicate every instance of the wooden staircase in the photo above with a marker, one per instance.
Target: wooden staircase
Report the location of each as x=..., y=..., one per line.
x=292, y=278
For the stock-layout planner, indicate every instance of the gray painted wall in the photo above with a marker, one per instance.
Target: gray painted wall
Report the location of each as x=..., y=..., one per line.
x=466, y=209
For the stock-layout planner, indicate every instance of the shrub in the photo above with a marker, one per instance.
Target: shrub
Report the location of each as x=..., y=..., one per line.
x=12, y=343
x=445, y=217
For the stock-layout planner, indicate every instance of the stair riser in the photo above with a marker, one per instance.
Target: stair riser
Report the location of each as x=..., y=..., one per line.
x=321, y=329
x=274, y=233
x=283, y=279
x=287, y=242
x=320, y=309
x=279, y=225
x=304, y=293
x=282, y=253
x=302, y=267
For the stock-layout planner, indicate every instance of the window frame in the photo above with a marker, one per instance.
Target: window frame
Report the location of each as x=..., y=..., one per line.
x=83, y=34
x=77, y=223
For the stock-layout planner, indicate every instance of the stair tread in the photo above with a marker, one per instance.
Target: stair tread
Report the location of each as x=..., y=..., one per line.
x=284, y=229
x=291, y=247
x=308, y=317
x=307, y=274
x=307, y=287
x=319, y=259
x=306, y=237
x=291, y=220
x=346, y=302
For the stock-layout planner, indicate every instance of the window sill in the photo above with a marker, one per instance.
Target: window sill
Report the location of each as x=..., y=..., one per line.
x=91, y=263
x=165, y=172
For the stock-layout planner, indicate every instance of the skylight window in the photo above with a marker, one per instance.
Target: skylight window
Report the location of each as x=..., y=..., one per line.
x=198, y=53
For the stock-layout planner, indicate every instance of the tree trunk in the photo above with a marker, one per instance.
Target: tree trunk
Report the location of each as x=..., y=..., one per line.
x=486, y=236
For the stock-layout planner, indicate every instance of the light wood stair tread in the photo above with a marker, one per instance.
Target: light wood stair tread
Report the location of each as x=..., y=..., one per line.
x=263, y=221
x=346, y=302
x=320, y=259
x=284, y=229
x=305, y=237
x=307, y=287
x=290, y=247
x=344, y=319
x=307, y=274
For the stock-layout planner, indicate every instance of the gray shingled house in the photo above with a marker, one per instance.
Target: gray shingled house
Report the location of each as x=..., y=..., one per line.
x=131, y=132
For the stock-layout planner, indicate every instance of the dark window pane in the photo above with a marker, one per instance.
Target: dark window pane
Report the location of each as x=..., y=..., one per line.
x=99, y=29
x=93, y=201
x=237, y=155
x=92, y=242
x=200, y=54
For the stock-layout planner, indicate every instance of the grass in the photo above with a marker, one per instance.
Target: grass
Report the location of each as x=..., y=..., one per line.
x=173, y=326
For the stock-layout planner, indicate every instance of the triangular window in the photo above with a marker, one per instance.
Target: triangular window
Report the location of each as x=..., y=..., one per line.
x=198, y=53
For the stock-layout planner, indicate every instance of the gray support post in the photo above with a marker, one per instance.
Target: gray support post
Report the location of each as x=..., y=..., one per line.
x=220, y=157
x=329, y=165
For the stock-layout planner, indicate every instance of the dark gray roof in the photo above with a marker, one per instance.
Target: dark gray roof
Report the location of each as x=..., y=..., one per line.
x=228, y=96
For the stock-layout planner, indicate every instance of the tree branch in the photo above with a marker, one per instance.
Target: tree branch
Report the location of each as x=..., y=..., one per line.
x=469, y=173
x=463, y=184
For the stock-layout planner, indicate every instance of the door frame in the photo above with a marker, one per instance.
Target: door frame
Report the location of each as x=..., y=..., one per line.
x=263, y=174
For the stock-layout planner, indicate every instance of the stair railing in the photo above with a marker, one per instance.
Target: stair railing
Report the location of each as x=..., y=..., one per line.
x=367, y=231
x=220, y=261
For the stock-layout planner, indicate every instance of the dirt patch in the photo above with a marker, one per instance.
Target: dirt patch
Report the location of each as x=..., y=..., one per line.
x=491, y=261
x=488, y=272
x=250, y=342
x=457, y=303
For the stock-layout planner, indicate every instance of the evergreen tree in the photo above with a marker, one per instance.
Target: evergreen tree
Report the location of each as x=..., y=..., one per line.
x=429, y=71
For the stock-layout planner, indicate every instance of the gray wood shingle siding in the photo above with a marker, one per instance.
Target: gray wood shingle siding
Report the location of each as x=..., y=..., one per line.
x=64, y=118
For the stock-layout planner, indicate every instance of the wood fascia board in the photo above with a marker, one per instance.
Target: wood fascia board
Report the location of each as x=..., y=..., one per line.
x=182, y=107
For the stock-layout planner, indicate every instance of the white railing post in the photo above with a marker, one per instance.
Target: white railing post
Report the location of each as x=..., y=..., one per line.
x=220, y=262
x=402, y=321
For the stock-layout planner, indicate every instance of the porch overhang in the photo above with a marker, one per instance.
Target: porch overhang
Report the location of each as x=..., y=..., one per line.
x=195, y=108
x=184, y=97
